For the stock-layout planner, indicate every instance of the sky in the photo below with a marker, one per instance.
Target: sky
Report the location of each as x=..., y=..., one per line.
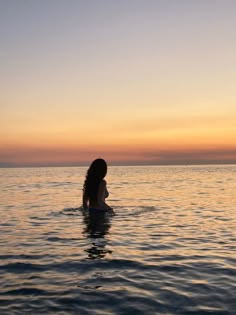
x=132, y=81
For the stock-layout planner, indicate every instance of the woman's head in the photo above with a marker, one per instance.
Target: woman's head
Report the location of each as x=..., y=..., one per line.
x=98, y=169
x=95, y=174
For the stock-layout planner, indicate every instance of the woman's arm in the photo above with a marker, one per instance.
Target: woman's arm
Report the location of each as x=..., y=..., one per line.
x=85, y=201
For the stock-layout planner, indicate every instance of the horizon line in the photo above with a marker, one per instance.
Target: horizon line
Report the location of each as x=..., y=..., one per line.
x=124, y=164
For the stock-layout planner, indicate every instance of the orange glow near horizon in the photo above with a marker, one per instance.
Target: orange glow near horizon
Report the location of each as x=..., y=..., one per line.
x=139, y=141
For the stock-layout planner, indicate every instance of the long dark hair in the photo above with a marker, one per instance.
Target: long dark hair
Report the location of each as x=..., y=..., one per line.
x=95, y=174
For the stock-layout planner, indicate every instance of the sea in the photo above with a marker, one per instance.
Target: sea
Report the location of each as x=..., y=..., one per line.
x=169, y=248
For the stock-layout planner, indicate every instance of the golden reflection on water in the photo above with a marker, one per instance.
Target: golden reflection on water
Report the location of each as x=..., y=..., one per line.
x=161, y=204
x=172, y=239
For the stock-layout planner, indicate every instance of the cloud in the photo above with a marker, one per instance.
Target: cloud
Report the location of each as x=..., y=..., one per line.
x=199, y=156
x=61, y=156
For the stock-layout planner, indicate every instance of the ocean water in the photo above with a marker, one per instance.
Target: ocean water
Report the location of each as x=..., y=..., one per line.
x=169, y=249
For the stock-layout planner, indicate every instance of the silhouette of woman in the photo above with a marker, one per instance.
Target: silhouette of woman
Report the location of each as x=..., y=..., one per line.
x=95, y=188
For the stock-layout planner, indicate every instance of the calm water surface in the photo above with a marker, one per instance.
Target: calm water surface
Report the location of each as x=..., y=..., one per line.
x=170, y=248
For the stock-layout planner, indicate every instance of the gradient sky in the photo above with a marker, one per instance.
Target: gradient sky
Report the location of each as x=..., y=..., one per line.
x=132, y=81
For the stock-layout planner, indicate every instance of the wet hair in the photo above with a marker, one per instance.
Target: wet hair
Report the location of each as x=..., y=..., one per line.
x=95, y=174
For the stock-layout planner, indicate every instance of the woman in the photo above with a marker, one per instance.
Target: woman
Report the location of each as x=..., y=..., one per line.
x=95, y=191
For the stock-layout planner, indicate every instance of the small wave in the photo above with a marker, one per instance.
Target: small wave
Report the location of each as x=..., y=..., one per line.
x=61, y=239
x=20, y=267
x=7, y=224
x=72, y=209
x=26, y=291
x=22, y=256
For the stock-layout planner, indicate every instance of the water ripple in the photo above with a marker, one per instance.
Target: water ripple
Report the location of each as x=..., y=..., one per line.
x=170, y=248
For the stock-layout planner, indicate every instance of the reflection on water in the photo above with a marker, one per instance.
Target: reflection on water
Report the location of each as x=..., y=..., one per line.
x=97, y=225
x=170, y=249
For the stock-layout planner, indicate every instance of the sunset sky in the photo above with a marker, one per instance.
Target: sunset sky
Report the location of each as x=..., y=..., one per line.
x=132, y=81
